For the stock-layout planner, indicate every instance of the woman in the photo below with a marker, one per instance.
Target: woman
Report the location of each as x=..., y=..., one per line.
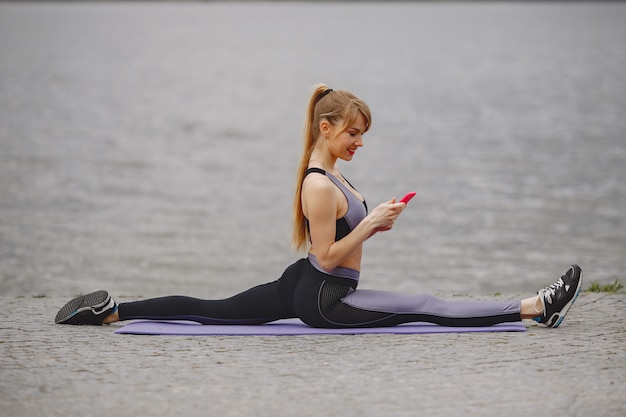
x=332, y=221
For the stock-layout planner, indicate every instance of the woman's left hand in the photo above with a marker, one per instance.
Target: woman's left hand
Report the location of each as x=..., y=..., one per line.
x=390, y=212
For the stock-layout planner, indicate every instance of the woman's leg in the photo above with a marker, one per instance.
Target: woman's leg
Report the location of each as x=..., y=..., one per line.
x=322, y=300
x=394, y=308
x=338, y=305
x=531, y=307
x=257, y=305
x=261, y=304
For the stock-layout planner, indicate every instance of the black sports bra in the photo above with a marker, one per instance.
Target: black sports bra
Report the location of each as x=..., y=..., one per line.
x=357, y=209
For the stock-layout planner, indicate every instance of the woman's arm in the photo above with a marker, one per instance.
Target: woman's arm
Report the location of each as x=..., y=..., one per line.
x=321, y=206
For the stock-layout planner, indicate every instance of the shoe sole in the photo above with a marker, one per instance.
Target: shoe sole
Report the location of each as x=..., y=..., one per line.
x=565, y=309
x=95, y=300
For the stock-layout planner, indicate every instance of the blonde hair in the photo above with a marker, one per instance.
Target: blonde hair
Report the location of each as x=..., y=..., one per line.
x=336, y=107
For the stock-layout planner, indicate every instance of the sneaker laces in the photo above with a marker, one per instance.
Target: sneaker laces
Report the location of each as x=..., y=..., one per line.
x=550, y=291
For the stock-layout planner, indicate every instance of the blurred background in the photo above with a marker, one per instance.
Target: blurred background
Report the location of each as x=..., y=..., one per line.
x=150, y=148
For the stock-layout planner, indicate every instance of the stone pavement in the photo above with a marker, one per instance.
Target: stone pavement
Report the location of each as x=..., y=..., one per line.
x=50, y=370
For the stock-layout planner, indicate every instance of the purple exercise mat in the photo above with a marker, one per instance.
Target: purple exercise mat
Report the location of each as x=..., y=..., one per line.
x=296, y=327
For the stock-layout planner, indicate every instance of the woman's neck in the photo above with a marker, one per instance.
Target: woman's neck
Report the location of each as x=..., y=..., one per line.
x=324, y=159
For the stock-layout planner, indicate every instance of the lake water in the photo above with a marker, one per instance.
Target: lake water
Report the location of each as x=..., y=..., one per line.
x=150, y=148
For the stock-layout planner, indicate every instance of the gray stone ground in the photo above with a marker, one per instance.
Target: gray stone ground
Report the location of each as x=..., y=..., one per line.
x=578, y=369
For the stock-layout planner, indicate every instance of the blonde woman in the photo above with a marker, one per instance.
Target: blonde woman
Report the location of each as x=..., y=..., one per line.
x=331, y=221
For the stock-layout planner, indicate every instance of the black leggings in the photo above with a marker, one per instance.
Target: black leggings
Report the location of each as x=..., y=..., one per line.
x=322, y=300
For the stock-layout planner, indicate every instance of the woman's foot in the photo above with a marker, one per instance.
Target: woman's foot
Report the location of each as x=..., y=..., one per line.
x=92, y=308
x=559, y=297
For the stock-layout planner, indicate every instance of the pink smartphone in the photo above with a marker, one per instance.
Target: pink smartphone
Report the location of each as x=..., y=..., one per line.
x=408, y=197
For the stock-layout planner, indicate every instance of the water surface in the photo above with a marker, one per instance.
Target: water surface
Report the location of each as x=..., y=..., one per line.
x=150, y=148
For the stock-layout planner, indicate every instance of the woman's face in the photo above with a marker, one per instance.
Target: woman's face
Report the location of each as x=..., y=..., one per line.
x=344, y=145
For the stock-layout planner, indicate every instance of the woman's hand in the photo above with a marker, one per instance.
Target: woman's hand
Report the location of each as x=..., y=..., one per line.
x=384, y=215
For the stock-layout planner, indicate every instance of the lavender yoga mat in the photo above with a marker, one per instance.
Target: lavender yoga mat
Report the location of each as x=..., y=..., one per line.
x=290, y=327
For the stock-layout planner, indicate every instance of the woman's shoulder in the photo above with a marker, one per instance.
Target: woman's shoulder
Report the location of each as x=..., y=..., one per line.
x=319, y=197
x=317, y=182
x=317, y=177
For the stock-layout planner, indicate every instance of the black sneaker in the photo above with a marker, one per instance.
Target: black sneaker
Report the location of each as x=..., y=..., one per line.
x=87, y=309
x=559, y=297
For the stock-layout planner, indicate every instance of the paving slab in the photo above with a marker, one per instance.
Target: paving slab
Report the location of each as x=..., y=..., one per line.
x=578, y=369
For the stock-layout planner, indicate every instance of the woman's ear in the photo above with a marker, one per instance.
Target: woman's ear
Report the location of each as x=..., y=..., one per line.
x=325, y=128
